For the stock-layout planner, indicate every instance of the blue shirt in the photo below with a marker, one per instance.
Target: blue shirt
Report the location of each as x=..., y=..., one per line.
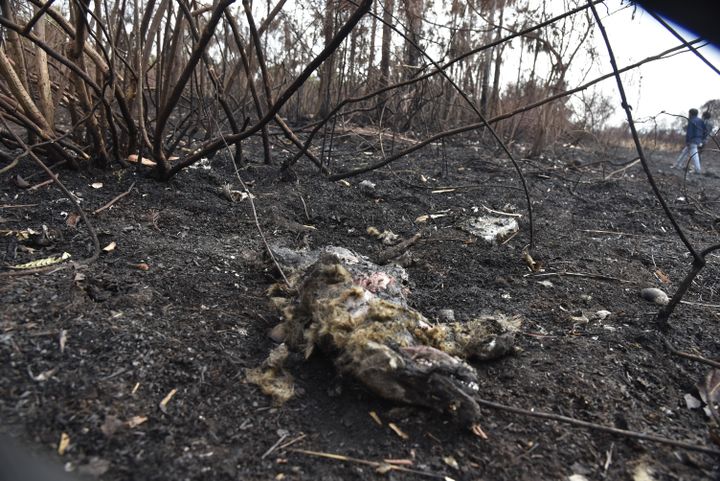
x=695, y=131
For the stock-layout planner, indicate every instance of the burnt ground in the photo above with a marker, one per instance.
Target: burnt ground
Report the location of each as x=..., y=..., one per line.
x=198, y=317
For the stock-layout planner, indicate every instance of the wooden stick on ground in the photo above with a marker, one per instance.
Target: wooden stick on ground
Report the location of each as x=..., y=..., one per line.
x=692, y=357
x=599, y=427
x=381, y=467
x=115, y=199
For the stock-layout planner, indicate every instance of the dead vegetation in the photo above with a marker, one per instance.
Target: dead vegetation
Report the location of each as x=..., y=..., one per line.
x=336, y=90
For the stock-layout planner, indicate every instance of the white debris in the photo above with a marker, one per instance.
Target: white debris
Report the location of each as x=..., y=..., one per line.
x=601, y=315
x=692, y=402
x=203, y=164
x=491, y=229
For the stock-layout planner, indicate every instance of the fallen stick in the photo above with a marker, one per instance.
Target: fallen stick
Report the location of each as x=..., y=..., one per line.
x=17, y=206
x=292, y=441
x=392, y=252
x=44, y=183
x=382, y=468
x=701, y=304
x=115, y=199
x=609, y=232
x=579, y=274
x=499, y=212
x=692, y=357
x=622, y=169
x=274, y=446
x=599, y=427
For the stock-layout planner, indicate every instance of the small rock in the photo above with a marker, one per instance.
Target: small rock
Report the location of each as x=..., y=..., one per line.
x=95, y=468
x=278, y=333
x=369, y=189
x=579, y=317
x=546, y=284
x=692, y=402
x=446, y=315
x=655, y=295
x=601, y=315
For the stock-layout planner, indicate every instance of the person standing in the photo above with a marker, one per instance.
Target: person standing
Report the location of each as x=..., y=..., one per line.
x=694, y=133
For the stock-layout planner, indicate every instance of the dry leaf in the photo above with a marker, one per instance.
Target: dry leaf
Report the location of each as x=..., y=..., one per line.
x=534, y=265
x=166, y=400
x=662, y=277
x=450, y=461
x=43, y=376
x=141, y=266
x=72, y=219
x=110, y=247
x=426, y=217
x=135, y=421
x=345, y=183
x=398, y=431
x=96, y=185
x=710, y=392
x=134, y=159
x=22, y=183
x=63, y=444
x=384, y=469
x=48, y=261
x=642, y=472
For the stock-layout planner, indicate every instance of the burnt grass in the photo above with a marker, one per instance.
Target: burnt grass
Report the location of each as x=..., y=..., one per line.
x=199, y=316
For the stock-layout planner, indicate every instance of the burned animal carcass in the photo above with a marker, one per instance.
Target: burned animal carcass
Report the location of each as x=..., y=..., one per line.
x=356, y=312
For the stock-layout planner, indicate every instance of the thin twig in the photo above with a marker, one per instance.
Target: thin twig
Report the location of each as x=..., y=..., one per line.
x=272, y=448
x=374, y=464
x=292, y=441
x=692, y=357
x=701, y=304
x=17, y=206
x=499, y=212
x=42, y=184
x=114, y=200
x=600, y=277
x=622, y=169
x=599, y=427
x=307, y=213
x=608, y=232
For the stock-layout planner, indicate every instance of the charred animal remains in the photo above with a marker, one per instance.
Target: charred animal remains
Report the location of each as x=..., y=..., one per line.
x=356, y=312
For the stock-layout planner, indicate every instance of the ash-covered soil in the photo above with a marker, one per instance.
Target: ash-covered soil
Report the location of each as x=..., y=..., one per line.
x=143, y=371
